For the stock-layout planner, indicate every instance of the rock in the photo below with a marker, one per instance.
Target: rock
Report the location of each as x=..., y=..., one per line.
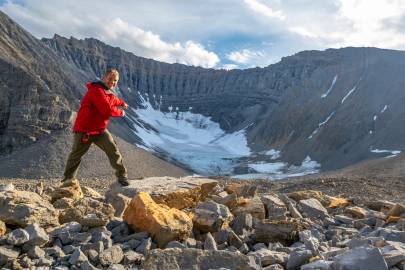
x=20, y=208
x=210, y=216
x=274, y=267
x=3, y=228
x=77, y=257
x=71, y=227
x=242, y=223
x=389, y=234
x=397, y=210
x=190, y=258
x=7, y=187
x=312, y=208
x=317, y=265
x=17, y=237
x=359, y=259
x=113, y=255
x=177, y=244
x=276, y=208
x=241, y=190
x=145, y=246
x=234, y=240
x=230, y=201
x=373, y=241
x=36, y=253
x=210, y=243
x=179, y=193
x=116, y=267
x=71, y=190
x=120, y=203
x=297, y=258
x=268, y=257
x=164, y=224
x=54, y=251
x=356, y=212
x=285, y=232
x=259, y=246
x=244, y=248
x=338, y=202
x=92, y=193
x=88, y=212
x=253, y=206
x=63, y=203
x=131, y=257
x=86, y=265
x=97, y=246
x=7, y=255
x=191, y=243
x=309, y=194
x=37, y=235
x=394, y=257
x=380, y=205
x=310, y=242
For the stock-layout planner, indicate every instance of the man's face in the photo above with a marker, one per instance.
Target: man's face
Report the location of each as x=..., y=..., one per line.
x=111, y=80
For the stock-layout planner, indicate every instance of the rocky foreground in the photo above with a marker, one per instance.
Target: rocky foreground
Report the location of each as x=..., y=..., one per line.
x=196, y=223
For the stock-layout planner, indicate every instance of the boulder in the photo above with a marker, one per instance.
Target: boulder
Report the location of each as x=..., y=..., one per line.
x=297, y=258
x=113, y=255
x=88, y=212
x=312, y=208
x=20, y=208
x=18, y=237
x=210, y=216
x=163, y=223
x=268, y=257
x=276, y=208
x=7, y=255
x=309, y=194
x=190, y=258
x=253, y=206
x=286, y=232
x=242, y=223
x=69, y=189
x=241, y=190
x=361, y=258
x=356, y=212
x=397, y=210
x=179, y=193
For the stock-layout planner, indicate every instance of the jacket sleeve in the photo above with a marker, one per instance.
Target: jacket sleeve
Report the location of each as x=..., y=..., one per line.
x=118, y=101
x=104, y=104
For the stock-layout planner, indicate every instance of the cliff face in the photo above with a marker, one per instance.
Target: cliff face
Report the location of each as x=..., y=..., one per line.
x=40, y=90
x=335, y=106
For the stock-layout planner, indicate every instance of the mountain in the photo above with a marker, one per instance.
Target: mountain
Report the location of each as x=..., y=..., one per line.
x=337, y=106
x=315, y=110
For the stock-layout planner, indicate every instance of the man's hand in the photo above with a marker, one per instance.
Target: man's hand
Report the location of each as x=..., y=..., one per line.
x=125, y=106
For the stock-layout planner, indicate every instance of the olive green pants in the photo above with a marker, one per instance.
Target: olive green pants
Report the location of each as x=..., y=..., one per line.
x=105, y=142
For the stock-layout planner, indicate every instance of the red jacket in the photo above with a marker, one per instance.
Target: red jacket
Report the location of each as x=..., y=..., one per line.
x=96, y=108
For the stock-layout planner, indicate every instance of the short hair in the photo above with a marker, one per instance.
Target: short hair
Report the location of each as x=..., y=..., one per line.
x=111, y=71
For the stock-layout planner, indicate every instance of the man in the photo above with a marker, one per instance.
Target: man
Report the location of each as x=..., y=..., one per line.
x=96, y=108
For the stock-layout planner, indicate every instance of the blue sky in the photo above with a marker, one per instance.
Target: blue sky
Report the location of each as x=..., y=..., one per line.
x=218, y=33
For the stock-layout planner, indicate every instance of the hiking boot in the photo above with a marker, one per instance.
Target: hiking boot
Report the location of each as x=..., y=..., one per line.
x=67, y=182
x=123, y=181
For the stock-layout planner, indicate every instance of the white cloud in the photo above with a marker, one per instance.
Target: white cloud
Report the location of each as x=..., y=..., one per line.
x=264, y=9
x=115, y=31
x=229, y=66
x=302, y=31
x=244, y=56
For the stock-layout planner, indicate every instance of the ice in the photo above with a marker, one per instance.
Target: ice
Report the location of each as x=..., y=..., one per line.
x=375, y=117
x=274, y=154
x=200, y=144
x=280, y=170
x=384, y=109
x=330, y=87
x=348, y=94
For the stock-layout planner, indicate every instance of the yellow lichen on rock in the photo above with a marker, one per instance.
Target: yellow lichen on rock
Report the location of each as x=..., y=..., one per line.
x=70, y=190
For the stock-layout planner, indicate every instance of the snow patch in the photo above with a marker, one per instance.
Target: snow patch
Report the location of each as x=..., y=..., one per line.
x=375, y=117
x=348, y=94
x=274, y=154
x=392, y=153
x=330, y=87
x=320, y=125
x=384, y=109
